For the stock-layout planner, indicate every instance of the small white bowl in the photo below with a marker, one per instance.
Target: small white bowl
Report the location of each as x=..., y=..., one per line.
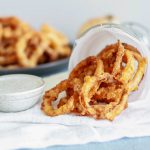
x=19, y=92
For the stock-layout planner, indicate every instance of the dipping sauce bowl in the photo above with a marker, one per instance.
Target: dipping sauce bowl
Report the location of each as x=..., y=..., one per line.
x=19, y=92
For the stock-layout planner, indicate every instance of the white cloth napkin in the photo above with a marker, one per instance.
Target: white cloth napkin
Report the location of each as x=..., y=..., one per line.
x=32, y=129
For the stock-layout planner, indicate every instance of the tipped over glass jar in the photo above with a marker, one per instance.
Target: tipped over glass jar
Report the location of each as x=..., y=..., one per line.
x=96, y=38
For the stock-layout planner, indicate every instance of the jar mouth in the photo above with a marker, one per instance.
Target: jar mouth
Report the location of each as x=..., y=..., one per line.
x=104, y=25
x=140, y=31
x=117, y=29
x=134, y=29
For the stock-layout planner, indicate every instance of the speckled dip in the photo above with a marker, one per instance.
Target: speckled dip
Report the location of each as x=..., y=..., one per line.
x=19, y=92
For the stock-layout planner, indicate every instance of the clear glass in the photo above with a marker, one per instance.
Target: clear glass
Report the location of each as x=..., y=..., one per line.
x=139, y=31
x=136, y=30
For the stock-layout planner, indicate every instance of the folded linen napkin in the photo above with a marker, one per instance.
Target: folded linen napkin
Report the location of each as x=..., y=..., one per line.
x=32, y=129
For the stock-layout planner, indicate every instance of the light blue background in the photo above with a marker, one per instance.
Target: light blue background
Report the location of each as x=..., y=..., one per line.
x=122, y=144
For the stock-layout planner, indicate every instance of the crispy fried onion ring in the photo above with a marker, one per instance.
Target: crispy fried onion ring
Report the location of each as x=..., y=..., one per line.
x=101, y=110
x=52, y=95
x=99, y=86
x=28, y=58
x=89, y=66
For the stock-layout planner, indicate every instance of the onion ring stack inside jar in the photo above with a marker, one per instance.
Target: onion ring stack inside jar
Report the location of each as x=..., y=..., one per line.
x=99, y=86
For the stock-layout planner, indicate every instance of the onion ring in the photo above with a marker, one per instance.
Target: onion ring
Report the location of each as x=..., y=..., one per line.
x=52, y=95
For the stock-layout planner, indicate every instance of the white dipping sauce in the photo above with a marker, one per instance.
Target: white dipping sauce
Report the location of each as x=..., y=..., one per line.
x=18, y=83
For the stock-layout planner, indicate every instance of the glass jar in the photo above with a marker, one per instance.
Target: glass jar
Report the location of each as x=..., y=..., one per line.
x=135, y=29
x=96, y=38
x=139, y=31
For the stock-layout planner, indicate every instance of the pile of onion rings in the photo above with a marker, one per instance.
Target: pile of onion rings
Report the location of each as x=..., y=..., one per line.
x=22, y=46
x=99, y=86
